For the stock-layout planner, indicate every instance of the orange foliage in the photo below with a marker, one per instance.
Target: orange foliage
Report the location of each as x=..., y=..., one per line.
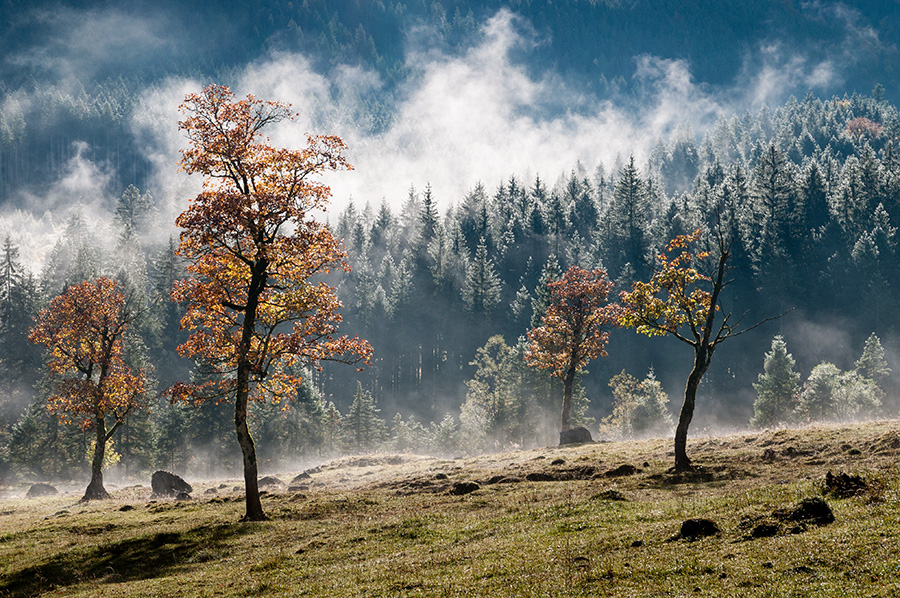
x=254, y=248
x=83, y=329
x=575, y=328
x=861, y=125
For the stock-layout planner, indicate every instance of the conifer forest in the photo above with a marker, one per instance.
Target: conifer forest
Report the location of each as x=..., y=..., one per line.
x=493, y=145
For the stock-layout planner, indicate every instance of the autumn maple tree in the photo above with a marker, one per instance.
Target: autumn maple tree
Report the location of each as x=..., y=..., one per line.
x=573, y=330
x=254, y=250
x=84, y=330
x=682, y=301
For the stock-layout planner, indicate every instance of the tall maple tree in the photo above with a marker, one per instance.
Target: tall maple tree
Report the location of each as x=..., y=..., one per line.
x=681, y=301
x=573, y=330
x=84, y=330
x=254, y=250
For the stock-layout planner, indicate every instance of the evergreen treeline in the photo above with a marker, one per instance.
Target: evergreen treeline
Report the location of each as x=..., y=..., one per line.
x=812, y=189
x=445, y=297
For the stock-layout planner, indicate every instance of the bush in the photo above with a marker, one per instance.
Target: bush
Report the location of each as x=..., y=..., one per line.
x=639, y=407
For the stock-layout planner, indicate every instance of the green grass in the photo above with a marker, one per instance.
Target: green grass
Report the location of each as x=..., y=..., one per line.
x=393, y=530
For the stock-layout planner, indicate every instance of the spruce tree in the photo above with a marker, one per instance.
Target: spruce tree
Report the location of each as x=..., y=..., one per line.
x=481, y=290
x=363, y=430
x=776, y=388
x=871, y=364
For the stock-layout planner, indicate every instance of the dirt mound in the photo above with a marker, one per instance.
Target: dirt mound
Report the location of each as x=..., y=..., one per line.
x=622, y=470
x=460, y=488
x=844, y=485
x=694, y=529
x=791, y=520
x=809, y=510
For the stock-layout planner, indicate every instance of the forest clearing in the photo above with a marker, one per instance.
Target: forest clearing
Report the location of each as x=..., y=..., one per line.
x=402, y=525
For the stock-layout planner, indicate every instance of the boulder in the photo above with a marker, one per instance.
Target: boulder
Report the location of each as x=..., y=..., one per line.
x=575, y=436
x=41, y=489
x=270, y=481
x=165, y=484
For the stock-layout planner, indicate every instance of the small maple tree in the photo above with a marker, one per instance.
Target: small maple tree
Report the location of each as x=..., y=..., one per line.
x=573, y=330
x=84, y=330
x=681, y=301
x=253, y=249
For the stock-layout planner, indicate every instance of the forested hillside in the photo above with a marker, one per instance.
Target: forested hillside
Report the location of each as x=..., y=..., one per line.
x=445, y=287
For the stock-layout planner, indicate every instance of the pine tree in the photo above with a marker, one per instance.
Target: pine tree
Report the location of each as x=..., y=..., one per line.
x=628, y=221
x=486, y=412
x=639, y=407
x=134, y=211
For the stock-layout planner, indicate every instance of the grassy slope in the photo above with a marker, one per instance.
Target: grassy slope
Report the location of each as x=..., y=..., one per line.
x=383, y=526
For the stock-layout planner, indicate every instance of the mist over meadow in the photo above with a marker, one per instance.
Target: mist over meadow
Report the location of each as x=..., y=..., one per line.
x=494, y=145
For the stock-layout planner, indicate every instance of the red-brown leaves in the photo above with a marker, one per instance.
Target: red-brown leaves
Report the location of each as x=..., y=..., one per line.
x=575, y=328
x=253, y=249
x=83, y=329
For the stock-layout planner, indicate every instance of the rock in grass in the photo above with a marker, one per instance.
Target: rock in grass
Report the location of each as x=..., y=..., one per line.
x=41, y=489
x=575, y=436
x=165, y=484
x=270, y=481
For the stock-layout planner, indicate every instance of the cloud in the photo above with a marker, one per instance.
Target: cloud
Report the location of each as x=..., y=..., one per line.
x=154, y=124
x=83, y=186
x=78, y=44
x=475, y=117
x=774, y=70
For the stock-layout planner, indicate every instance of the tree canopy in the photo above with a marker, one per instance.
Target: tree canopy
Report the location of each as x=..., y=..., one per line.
x=254, y=250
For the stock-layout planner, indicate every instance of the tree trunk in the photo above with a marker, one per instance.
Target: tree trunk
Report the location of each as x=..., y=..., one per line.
x=568, y=385
x=242, y=396
x=701, y=363
x=248, y=451
x=95, y=490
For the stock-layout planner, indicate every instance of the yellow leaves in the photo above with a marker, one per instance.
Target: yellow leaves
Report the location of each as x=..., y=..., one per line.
x=671, y=299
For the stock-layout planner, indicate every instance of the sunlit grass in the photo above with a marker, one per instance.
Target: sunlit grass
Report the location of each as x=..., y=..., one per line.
x=381, y=530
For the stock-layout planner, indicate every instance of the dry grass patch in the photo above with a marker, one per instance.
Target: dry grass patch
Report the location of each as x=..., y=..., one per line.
x=388, y=525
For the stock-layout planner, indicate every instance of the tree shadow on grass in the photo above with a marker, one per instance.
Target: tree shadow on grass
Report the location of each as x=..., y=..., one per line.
x=143, y=557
